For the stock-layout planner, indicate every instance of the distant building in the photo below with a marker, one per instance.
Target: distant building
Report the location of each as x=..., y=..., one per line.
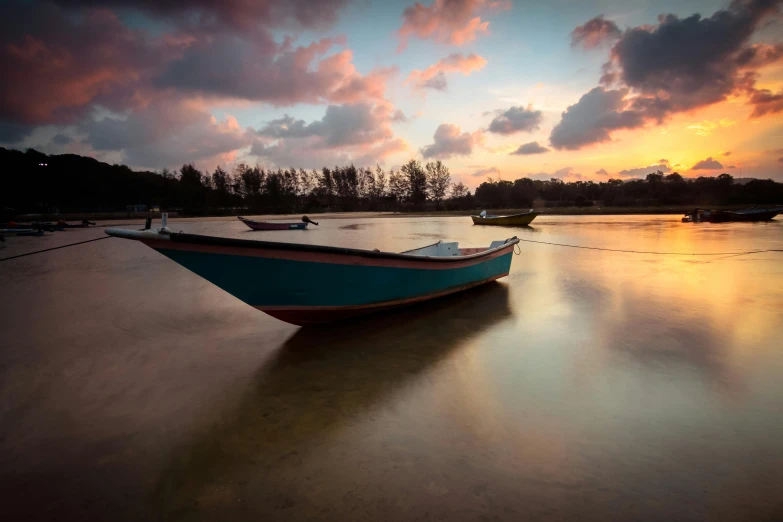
x=136, y=208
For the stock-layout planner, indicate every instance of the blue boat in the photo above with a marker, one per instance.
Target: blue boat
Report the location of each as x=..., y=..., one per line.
x=307, y=284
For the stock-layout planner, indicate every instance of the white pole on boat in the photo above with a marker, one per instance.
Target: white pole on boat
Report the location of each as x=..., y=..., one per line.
x=164, y=220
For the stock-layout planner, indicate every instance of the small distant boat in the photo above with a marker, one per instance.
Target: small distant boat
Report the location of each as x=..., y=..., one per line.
x=723, y=216
x=46, y=225
x=61, y=225
x=514, y=220
x=307, y=284
x=267, y=225
x=10, y=232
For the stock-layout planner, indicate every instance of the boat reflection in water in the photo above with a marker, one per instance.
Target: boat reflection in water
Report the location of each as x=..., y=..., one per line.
x=318, y=392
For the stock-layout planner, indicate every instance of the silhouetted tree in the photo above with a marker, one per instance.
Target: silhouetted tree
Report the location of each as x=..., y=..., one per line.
x=438, y=181
x=399, y=186
x=417, y=182
x=459, y=190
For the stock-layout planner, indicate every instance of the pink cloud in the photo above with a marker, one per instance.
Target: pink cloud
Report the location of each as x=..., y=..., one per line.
x=352, y=132
x=594, y=33
x=449, y=140
x=453, y=22
x=433, y=77
x=166, y=133
x=59, y=68
x=259, y=70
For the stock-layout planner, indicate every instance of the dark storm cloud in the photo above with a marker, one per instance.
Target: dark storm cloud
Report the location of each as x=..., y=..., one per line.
x=516, y=119
x=233, y=14
x=530, y=148
x=594, y=33
x=765, y=102
x=690, y=62
x=61, y=139
x=759, y=55
x=11, y=132
x=592, y=118
x=678, y=65
x=707, y=164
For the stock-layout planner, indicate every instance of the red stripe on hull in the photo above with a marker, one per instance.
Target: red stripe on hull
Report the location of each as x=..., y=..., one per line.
x=303, y=316
x=320, y=257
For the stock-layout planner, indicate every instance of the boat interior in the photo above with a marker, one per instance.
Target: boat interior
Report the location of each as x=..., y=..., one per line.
x=442, y=249
x=485, y=215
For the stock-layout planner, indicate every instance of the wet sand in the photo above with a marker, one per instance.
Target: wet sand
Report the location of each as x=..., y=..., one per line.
x=585, y=386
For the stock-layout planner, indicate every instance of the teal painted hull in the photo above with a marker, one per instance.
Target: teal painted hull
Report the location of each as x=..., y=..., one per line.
x=263, y=282
x=305, y=284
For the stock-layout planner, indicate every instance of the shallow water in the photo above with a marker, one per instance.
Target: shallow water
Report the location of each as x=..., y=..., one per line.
x=587, y=385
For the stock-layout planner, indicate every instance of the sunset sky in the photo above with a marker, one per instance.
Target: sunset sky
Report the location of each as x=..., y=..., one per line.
x=574, y=90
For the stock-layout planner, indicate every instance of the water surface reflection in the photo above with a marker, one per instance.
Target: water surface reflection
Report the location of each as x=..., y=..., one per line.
x=321, y=382
x=587, y=385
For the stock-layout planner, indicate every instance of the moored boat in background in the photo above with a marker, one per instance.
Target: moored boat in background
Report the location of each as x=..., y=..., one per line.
x=306, y=284
x=267, y=225
x=723, y=216
x=513, y=220
x=10, y=232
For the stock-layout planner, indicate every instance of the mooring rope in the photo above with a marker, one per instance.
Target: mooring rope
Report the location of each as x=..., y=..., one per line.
x=54, y=248
x=654, y=252
x=651, y=252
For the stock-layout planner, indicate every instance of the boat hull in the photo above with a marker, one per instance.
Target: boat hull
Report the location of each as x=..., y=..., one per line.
x=265, y=225
x=305, y=287
x=727, y=216
x=303, y=316
x=517, y=220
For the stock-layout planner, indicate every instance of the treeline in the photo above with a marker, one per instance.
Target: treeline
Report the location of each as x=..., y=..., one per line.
x=657, y=189
x=36, y=183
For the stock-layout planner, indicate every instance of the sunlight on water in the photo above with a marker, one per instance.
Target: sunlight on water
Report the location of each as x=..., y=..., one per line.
x=586, y=385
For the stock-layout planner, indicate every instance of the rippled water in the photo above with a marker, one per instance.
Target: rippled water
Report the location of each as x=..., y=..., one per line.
x=587, y=385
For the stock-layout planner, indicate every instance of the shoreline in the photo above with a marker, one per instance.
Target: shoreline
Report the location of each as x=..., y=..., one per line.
x=548, y=211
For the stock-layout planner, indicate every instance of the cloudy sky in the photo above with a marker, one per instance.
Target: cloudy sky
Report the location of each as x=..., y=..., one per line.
x=575, y=90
